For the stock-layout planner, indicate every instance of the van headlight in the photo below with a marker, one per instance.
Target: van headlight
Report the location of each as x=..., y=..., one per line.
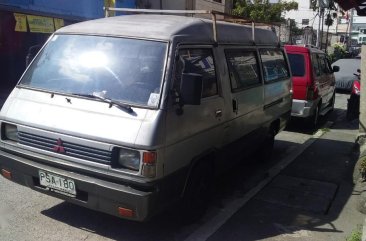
x=10, y=132
x=129, y=159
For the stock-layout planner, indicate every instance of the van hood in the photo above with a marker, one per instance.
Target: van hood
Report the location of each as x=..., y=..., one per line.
x=75, y=116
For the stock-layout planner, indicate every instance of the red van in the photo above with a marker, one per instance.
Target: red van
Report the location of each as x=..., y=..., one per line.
x=313, y=82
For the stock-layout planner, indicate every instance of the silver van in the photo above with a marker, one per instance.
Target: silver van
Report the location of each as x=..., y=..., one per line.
x=132, y=114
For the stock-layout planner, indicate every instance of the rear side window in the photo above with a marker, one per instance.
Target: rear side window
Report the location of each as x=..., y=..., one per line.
x=243, y=69
x=274, y=65
x=316, y=65
x=198, y=61
x=324, y=65
x=297, y=64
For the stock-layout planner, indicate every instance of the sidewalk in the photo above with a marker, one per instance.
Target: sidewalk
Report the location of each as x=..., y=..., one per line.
x=314, y=198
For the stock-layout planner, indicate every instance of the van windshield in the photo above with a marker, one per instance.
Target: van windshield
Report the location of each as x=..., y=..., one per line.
x=125, y=70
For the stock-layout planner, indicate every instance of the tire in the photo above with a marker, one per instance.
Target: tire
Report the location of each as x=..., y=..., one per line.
x=353, y=108
x=265, y=151
x=314, y=119
x=332, y=102
x=197, y=193
x=350, y=106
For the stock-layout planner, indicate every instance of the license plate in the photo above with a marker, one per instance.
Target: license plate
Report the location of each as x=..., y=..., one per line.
x=57, y=183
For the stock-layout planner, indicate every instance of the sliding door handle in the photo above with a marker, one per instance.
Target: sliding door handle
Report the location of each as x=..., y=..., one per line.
x=218, y=113
x=235, y=106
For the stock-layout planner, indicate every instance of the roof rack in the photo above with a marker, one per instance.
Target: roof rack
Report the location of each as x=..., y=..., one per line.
x=311, y=46
x=227, y=17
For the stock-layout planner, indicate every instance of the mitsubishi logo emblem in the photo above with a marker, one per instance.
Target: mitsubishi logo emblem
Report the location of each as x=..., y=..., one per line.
x=59, y=146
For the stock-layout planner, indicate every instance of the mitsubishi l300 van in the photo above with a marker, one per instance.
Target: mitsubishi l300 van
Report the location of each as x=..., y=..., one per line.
x=132, y=114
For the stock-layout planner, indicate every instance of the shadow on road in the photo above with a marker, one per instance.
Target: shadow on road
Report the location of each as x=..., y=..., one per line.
x=299, y=125
x=166, y=226
x=291, y=212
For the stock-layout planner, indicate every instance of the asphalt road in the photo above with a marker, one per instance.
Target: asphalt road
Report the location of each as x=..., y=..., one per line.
x=29, y=215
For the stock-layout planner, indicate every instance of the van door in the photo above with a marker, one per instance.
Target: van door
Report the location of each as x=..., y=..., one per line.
x=277, y=83
x=192, y=130
x=321, y=80
x=246, y=92
x=328, y=80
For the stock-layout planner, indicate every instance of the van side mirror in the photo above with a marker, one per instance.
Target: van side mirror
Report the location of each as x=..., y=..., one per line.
x=191, y=89
x=336, y=68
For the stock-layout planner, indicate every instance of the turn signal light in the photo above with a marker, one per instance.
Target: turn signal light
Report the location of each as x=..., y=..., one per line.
x=149, y=164
x=125, y=212
x=149, y=158
x=6, y=173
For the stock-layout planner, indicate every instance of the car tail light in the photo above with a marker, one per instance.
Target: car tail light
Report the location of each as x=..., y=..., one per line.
x=311, y=93
x=356, y=88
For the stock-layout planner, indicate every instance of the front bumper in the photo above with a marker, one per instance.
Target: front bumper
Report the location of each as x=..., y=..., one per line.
x=93, y=193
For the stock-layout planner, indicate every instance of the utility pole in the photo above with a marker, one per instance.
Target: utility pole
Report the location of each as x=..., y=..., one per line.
x=318, y=30
x=290, y=35
x=321, y=37
x=350, y=29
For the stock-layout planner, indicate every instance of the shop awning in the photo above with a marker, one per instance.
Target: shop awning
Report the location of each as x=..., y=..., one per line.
x=359, y=5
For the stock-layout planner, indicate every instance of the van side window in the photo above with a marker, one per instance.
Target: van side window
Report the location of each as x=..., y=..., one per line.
x=315, y=63
x=198, y=61
x=329, y=65
x=274, y=65
x=243, y=69
x=324, y=65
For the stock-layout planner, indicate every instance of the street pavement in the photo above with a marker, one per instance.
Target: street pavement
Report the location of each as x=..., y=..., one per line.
x=314, y=198
x=311, y=197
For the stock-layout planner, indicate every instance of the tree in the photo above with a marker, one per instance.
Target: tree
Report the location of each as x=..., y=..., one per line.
x=315, y=4
x=263, y=10
x=295, y=31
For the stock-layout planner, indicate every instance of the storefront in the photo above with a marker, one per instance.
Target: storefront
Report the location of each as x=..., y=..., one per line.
x=18, y=33
x=27, y=23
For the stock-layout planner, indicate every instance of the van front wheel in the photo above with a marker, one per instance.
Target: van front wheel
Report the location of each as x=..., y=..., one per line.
x=197, y=193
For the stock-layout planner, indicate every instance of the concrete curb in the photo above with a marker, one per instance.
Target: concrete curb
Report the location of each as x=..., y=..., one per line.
x=214, y=224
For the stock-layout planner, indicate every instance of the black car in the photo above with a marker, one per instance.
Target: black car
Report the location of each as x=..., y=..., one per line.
x=345, y=77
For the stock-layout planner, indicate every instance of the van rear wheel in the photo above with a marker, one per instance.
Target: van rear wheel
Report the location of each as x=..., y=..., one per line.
x=265, y=152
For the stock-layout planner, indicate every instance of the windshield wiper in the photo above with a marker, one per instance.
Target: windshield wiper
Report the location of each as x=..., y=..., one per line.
x=107, y=100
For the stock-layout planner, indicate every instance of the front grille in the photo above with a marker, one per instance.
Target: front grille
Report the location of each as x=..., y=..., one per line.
x=65, y=148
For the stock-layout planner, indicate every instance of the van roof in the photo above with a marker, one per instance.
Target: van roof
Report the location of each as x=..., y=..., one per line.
x=302, y=49
x=168, y=27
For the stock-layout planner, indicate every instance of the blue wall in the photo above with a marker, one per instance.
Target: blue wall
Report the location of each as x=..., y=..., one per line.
x=126, y=4
x=73, y=8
